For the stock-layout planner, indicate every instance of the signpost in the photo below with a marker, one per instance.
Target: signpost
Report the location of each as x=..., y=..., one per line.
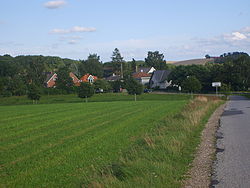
x=216, y=85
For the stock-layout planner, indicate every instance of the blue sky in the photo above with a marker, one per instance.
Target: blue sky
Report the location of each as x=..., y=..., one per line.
x=180, y=29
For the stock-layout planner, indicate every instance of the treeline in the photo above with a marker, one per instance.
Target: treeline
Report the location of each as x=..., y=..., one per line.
x=231, y=69
x=18, y=74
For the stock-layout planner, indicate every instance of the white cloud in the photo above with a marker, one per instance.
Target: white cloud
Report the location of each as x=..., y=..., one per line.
x=75, y=29
x=54, y=4
x=238, y=36
x=82, y=29
x=59, y=31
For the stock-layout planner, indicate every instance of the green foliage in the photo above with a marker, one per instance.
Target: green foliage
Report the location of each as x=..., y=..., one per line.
x=102, y=84
x=191, y=84
x=64, y=82
x=225, y=88
x=85, y=90
x=133, y=87
x=156, y=60
x=92, y=66
x=117, y=61
x=15, y=86
x=34, y=93
x=133, y=65
x=117, y=85
x=105, y=97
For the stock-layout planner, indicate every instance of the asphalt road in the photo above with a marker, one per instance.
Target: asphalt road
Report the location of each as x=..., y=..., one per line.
x=232, y=165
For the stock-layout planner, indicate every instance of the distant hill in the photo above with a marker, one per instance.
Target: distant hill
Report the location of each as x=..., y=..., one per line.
x=193, y=61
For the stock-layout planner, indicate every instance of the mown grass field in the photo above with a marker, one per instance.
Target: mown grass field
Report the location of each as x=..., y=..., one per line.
x=100, y=144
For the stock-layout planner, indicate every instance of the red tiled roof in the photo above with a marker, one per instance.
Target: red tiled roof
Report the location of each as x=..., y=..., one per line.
x=141, y=74
x=84, y=78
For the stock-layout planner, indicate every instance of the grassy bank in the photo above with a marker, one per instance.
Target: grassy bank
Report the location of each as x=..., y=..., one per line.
x=161, y=156
x=147, y=143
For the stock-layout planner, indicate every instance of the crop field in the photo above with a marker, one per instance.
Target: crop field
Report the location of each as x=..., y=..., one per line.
x=95, y=144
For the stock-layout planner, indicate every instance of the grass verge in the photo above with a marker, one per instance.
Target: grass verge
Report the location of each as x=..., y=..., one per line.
x=160, y=157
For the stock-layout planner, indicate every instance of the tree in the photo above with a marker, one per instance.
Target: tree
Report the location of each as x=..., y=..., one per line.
x=133, y=87
x=34, y=93
x=102, y=84
x=116, y=85
x=207, y=56
x=86, y=90
x=191, y=84
x=92, y=65
x=64, y=82
x=133, y=65
x=156, y=60
x=117, y=61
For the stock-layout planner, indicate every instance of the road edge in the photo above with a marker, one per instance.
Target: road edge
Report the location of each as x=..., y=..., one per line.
x=201, y=168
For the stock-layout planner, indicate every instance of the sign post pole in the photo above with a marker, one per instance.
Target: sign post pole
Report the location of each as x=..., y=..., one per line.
x=216, y=85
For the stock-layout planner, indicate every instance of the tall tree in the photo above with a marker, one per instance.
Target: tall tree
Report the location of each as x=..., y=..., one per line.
x=118, y=62
x=64, y=82
x=94, y=66
x=133, y=65
x=156, y=60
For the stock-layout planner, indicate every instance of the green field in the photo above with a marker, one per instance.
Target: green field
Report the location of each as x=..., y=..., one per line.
x=98, y=144
x=105, y=97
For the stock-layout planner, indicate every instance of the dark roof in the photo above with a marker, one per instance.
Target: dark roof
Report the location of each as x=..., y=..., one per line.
x=144, y=69
x=113, y=78
x=160, y=76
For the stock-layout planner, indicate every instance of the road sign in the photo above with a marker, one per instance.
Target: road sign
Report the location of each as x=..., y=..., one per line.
x=216, y=84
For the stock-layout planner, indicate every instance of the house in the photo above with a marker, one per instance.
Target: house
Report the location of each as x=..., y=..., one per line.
x=51, y=79
x=76, y=81
x=113, y=78
x=88, y=78
x=148, y=70
x=159, y=79
x=142, y=77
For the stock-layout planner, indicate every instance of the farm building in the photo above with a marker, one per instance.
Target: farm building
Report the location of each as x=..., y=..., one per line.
x=159, y=79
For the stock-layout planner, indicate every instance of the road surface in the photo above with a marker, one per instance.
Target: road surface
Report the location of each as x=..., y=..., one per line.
x=232, y=165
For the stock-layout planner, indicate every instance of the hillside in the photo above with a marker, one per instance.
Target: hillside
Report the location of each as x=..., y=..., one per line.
x=193, y=61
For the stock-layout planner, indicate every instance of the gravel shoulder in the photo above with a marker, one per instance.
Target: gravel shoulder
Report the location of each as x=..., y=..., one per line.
x=201, y=168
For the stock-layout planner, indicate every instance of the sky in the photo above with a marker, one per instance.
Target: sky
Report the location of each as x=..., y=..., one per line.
x=180, y=29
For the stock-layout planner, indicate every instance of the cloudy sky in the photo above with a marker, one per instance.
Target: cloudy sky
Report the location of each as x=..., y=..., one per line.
x=181, y=29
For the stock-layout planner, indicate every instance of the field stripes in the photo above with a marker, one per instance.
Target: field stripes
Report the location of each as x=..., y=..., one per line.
x=41, y=149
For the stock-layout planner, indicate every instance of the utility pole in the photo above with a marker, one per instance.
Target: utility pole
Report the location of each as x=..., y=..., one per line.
x=121, y=70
